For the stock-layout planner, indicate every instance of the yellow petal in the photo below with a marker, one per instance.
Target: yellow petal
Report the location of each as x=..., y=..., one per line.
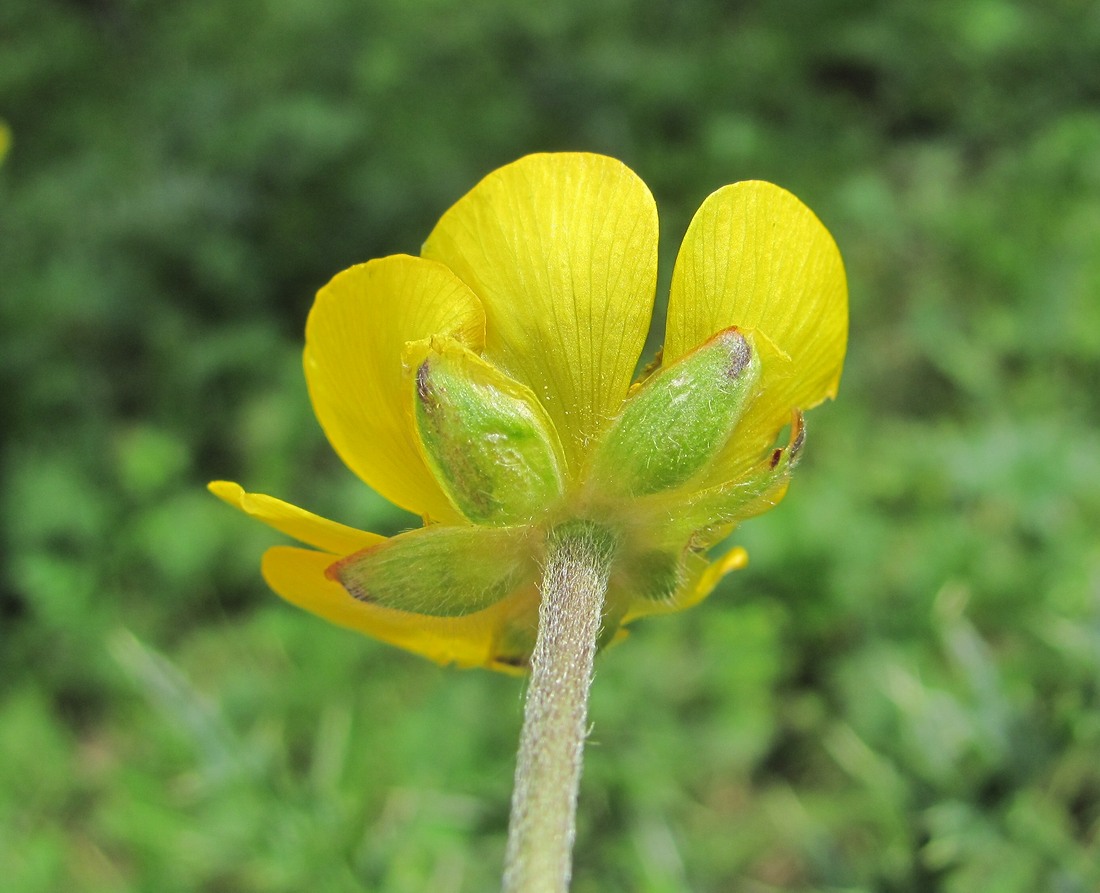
x=562, y=251
x=289, y=519
x=734, y=560
x=298, y=575
x=755, y=257
x=355, y=337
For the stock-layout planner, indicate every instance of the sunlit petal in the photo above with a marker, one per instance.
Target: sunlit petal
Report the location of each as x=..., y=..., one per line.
x=295, y=522
x=355, y=338
x=754, y=256
x=562, y=251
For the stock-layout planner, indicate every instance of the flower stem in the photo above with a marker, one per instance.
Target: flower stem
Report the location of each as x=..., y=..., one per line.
x=548, y=769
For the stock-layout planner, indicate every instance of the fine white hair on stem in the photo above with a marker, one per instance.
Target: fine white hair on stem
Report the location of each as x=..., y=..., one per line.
x=548, y=768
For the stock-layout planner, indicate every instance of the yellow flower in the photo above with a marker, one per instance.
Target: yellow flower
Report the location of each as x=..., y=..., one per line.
x=486, y=385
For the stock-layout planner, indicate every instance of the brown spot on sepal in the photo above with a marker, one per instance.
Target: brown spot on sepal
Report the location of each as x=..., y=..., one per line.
x=423, y=386
x=741, y=354
x=794, y=446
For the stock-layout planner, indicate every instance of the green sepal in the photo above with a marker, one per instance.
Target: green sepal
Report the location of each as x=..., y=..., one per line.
x=712, y=513
x=679, y=419
x=438, y=571
x=486, y=438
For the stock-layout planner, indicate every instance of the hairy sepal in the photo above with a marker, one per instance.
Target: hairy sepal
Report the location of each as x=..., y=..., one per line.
x=439, y=571
x=486, y=438
x=675, y=424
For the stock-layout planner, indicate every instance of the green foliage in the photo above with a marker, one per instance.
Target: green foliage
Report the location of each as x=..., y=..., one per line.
x=901, y=692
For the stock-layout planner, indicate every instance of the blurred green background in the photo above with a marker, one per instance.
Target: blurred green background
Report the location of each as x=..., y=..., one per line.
x=901, y=693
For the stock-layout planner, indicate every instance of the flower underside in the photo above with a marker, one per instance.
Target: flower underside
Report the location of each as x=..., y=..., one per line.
x=497, y=457
x=499, y=419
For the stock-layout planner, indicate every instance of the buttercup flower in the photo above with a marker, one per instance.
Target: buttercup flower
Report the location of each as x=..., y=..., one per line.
x=486, y=386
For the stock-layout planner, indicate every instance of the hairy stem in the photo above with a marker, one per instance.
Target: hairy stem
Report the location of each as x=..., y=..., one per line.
x=548, y=769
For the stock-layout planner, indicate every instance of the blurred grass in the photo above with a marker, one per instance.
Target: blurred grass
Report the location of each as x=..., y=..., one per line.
x=902, y=692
